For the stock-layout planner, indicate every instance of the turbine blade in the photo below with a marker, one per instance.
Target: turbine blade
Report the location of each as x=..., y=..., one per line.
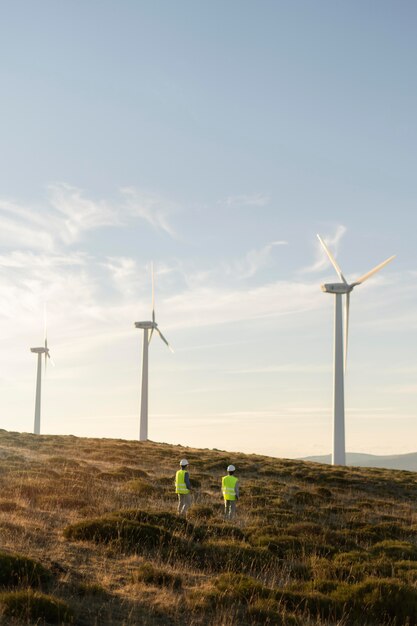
x=332, y=260
x=347, y=327
x=153, y=294
x=374, y=270
x=52, y=361
x=44, y=323
x=150, y=337
x=163, y=339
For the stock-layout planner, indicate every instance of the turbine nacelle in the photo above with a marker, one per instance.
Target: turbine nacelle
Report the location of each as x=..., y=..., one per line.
x=341, y=288
x=39, y=350
x=147, y=325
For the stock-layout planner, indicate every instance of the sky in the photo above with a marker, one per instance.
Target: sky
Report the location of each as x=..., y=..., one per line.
x=214, y=139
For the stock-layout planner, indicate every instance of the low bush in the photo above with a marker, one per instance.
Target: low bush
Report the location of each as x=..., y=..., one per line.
x=29, y=606
x=239, y=586
x=165, y=519
x=151, y=575
x=90, y=589
x=139, y=487
x=396, y=550
x=224, y=531
x=200, y=512
x=304, y=498
x=228, y=557
x=379, y=601
x=19, y=570
x=266, y=612
x=123, y=473
x=313, y=603
x=128, y=535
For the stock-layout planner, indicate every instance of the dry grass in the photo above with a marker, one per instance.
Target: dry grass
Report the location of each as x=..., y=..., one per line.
x=312, y=545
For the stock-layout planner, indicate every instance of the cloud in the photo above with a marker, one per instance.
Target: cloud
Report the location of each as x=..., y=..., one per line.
x=149, y=207
x=24, y=228
x=254, y=260
x=255, y=199
x=19, y=259
x=78, y=214
x=69, y=214
x=124, y=274
x=322, y=261
x=213, y=305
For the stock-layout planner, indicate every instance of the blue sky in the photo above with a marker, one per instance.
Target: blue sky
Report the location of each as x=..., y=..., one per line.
x=215, y=139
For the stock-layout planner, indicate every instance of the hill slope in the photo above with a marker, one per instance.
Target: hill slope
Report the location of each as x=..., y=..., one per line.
x=89, y=536
x=406, y=462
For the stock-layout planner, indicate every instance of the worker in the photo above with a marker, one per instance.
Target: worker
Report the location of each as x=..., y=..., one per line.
x=183, y=487
x=230, y=490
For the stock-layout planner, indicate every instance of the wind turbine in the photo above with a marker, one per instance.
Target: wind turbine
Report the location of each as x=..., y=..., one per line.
x=338, y=290
x=39, y=351
x=146, y=327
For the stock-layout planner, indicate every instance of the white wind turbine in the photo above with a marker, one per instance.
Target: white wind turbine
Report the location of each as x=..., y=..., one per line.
x=146, y=326
x=339, y=289
x=39, y=351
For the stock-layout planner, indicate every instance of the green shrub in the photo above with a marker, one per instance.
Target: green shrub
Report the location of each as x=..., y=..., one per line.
x=200, y=512
x=313, y=602
x=165, y=519
x=326, y=586
x=324, y=493
x=278, y=544
x=149, y=574
x=129, y=535
x=32, y=606
x=267, y=612
x=224, y=531
x=304, y=528
x=20, y=570
x=396, y=550
x=379, y=600
x=90, y=589
x=240, y=586
x=227, y=557
x=139, y=487
x=123, y=473
x=298, y=570
x=304, y=498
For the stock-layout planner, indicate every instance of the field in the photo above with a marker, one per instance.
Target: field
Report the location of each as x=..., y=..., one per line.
x=89, y=536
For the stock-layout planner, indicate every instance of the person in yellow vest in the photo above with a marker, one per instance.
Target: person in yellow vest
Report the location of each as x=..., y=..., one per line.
x=183, y=487
x=230, y=490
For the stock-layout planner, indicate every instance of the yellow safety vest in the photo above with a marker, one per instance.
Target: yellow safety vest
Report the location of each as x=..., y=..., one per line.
x=180, y=486
x=228, y=487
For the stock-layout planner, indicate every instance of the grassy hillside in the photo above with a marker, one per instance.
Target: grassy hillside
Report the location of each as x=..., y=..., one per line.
x=89, y=536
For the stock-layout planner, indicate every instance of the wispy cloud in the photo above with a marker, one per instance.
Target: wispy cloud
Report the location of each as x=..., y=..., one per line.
x=212, y=305
x=124, y=274
x=68, y=214
x=150, y=207
x=255, y=199
x=254, y=260
x=78, y=213
x=332, y=241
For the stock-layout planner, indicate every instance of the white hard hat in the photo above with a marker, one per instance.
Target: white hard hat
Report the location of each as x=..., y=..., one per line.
x=231, y=468
x=184, y=462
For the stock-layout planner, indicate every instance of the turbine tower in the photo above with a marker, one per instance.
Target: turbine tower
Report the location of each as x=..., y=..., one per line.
x=40, y=351
x=338, y=290
x=146, y=327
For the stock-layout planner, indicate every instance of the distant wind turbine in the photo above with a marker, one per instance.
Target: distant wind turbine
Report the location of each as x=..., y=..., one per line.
x=39, y=351
x=339, y=289
x=146, y=326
